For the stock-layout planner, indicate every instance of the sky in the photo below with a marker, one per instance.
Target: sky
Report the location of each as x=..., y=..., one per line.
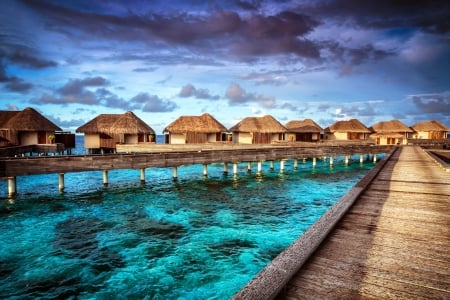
x=325, y=60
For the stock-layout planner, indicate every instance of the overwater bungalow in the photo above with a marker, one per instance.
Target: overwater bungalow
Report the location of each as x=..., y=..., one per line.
x=26, y=127
x=303, y=131
x=258, y=130
x=195, y=130
x=102, y=133
x=348, y=130
x=430, y=130
x=390, y=132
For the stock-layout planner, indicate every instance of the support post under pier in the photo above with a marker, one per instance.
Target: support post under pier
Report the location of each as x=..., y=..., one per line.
x=174, y=173
x=105, y=178
x=295, y=164
x=281, y=166
x=142, y=172
x=314, y=162
x=61, y=182
x=225, y=168
x=205, y=170
x=234, y=168
x=259, y=167
x=11, y=186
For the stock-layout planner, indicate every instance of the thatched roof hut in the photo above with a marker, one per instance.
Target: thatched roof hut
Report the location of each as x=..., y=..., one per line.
x=27, y=120
x=204, y=123
x=432, y=129
x=303, y=126
x=127, y=123
x=303, y=130
x=25, y=127
x=195, y=129
x=432, y=125
x=265, y=124
x=258, y=130
x=352, y=125
x=351, y=129
x=390, y=132
x=389, y=127
x=107, y=130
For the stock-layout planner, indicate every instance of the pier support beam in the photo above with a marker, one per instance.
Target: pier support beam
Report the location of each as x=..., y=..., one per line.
x=314, y=163
x=205, y=170
x=105, y=178
x=295, y=164
x=175, y=173
x=331, y=160
x=282, y=166
x=249, y=167
x=347, y=159
x=142, y=172
x=272, y=165
x=225, y=168
x=361, y=158
x=374, y=157
x=12, y=186
x=61, y=182
x=234, y=168
x=259, y=167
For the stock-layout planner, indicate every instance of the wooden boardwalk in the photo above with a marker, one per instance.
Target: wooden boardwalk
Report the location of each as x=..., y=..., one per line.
x=394, y=242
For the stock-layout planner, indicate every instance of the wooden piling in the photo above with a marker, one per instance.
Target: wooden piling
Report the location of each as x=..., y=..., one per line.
x=105, y=178
x=61, y=182
x=142, y=172
x=205, y=170
x=11, y=186
x=175, y=173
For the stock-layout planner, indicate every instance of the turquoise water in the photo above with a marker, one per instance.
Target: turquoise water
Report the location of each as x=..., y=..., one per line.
x=196, y=238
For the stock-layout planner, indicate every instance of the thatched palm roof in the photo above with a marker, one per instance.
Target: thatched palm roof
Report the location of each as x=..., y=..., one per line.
x=28, y=120
x=201, y=124
x=127, y=123
x=303, y=126
x=5, y=115
x=432, y=125
x=352, y=125
x=265, y=124
x=392, y=126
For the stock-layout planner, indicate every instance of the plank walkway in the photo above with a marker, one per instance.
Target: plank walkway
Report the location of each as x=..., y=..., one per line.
x=394, y=242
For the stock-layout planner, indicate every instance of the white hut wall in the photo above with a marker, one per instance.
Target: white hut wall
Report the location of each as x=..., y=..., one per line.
x=91, y=140
x=177, y=138
x=242, y=137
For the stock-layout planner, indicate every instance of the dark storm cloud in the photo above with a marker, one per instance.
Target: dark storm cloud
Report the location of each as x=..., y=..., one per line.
x=152, y=103
x=190, y=91
x=223, y=31
x=236, y=95
x=13, y=83
x=30, y=61
x=433, y=104
x=430, y=16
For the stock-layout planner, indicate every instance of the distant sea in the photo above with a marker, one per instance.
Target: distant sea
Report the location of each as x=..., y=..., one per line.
x=195, y=238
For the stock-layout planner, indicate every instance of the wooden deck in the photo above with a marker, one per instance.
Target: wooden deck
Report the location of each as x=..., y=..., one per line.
x=394, y=242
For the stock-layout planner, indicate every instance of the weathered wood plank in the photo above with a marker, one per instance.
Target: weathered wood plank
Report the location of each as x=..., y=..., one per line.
x=392, y=244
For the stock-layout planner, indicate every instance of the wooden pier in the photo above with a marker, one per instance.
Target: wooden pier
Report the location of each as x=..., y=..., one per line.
x=393, y=242
x=206, y=154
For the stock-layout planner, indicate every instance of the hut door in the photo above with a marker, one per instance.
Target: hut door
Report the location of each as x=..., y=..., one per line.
x=42, y=137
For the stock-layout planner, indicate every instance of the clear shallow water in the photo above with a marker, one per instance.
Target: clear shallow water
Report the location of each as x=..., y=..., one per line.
x=197, y=238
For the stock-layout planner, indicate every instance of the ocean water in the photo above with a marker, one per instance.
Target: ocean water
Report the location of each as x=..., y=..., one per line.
x=195, y=238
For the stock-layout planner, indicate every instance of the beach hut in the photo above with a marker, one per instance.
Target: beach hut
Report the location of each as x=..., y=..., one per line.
x=347, y=130
x=26, y=127
x=258, y=130
x=303, y=131
x=430, y=130
x=195, y=129
x=390, y=132
x=106, y=130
